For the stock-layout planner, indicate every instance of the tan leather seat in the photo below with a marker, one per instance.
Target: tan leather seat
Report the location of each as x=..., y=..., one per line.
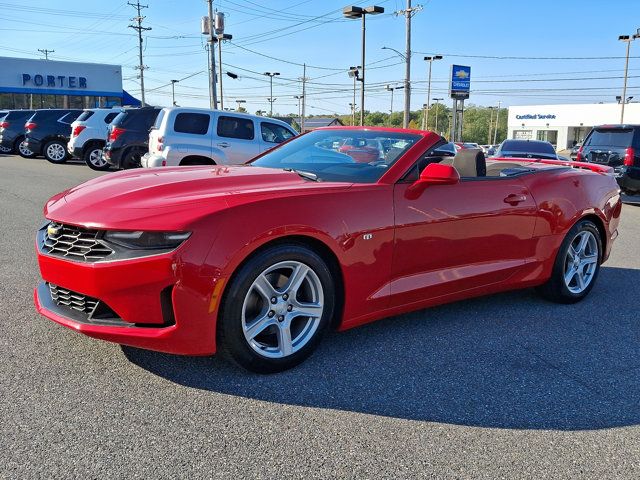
x=495, y=167
x=469, y=162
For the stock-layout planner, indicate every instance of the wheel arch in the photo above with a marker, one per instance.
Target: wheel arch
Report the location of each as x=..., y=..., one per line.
x=314, y=244
x=599, y=223
x=92, y=142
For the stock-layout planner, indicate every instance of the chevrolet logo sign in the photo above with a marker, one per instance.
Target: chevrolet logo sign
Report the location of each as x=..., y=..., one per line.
x=53, y=230
x=461, y=74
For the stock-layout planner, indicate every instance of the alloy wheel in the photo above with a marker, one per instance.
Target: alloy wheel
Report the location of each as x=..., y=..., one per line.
x=96, y=158
x=282, y=309
x=56, y=152
x=581, y=262
x=22, y=148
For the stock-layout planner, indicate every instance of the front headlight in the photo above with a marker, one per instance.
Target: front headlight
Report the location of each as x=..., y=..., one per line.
x=140, y=240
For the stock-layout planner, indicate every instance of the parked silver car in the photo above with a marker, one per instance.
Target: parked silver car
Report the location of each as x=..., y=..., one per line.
x=198, y=136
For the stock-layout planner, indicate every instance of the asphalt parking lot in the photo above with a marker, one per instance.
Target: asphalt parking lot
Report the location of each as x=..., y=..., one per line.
x=507, y=386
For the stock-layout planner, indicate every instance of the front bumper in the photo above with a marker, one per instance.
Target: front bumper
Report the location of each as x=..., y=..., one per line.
x=154, y=307
x=149, y=160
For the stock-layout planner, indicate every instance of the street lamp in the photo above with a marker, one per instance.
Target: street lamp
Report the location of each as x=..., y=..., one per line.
x=271, y=99
x=391, y=89
x=437, y=100
x=628, y=39
x=407, y=88
x=173, y=92
x=354, y=72
x=425, y=118
x=220, y=38
x=362, y=12
x=495, y=129
x=491, y=109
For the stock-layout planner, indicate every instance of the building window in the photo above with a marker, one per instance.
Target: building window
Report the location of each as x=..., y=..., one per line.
x=550, y=136
x=523, y=134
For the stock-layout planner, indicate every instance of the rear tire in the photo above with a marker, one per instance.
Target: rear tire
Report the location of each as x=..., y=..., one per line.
x=132, y=159
x=94, y=159
x=276, y=309
x=576, y=266
x=20, y=148
x=55, y=152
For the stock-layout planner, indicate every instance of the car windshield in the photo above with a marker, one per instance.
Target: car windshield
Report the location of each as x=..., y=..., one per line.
x=345, y=155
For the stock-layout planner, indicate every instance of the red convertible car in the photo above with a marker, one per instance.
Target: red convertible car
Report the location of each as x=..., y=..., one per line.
x=258, y=261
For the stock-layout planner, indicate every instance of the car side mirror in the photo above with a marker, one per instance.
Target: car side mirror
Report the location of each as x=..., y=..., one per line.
x=433, y=174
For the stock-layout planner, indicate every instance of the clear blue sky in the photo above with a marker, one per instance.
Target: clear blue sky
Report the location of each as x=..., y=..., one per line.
x=313, y=31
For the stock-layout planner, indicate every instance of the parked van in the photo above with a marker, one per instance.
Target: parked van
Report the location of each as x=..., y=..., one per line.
x=197, y=136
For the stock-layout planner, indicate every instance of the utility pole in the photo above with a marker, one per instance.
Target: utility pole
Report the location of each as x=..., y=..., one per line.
x=437, y=100
x=304, y=95
x=46, y=52
x=139, y=28
x=495, y=129
x=408, y=13
x=213, y=99
x=490, y=123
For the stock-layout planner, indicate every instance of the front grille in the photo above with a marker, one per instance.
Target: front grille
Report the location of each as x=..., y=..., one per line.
x=77, y=301
x=74, y=242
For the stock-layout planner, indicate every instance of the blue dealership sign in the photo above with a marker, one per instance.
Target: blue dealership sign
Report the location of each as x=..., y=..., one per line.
x=460, y=84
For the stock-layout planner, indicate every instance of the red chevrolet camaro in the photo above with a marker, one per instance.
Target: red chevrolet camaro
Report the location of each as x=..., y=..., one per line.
x=258, y=261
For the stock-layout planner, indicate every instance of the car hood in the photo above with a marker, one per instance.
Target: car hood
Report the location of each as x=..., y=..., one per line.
x=151, y=196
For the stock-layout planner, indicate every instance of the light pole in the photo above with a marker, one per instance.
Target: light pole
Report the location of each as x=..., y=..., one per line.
x=407, y=87
x=360, y=12
x=437, y=100
x=425, y=118
x=220, y=38
x=271, y=99
x=628, y=39
x=354, y=72
x=495, y=129
x=391, y=89
x=240, y=102
x=299, y=97
x=173, y=92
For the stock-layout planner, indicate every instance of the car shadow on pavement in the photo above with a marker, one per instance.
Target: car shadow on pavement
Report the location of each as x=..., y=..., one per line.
x=510, y=360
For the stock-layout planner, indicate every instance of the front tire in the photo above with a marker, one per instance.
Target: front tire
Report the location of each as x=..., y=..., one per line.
x=94, y=159
x=576, y=266
x=55, y=152
x=276, y=310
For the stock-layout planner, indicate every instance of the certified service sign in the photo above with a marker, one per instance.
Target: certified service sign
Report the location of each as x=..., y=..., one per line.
x=460, y=84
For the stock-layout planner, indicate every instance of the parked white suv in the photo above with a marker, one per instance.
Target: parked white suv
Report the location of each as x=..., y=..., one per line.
x=89, y=135
x=198, y=136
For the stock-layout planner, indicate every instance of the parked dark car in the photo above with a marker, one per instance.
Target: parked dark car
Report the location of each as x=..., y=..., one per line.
x=12, y=132
x=617, y=146
x=128, y=137
x=526, y=149
x=47, y=133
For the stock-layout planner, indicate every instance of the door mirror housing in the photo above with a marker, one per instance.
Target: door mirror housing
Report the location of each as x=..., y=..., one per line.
x=439, y=174
x=433, y=174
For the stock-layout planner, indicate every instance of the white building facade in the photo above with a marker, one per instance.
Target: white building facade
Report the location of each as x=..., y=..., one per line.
x=562, y=125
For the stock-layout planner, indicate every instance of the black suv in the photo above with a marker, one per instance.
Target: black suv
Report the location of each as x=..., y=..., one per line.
x=47, y=133
x=12, y=132
x=617, y=146
x=128, y=138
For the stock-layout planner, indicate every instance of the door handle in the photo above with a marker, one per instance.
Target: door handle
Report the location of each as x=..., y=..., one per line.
x=223, y=144
x=515, y=198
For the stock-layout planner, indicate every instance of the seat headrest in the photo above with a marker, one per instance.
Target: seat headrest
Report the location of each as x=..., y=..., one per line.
x=469, y=162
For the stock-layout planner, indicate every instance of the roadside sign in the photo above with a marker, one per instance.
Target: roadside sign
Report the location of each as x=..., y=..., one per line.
x=460, y=83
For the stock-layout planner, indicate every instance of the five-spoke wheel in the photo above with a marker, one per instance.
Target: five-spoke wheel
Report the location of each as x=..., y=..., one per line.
x=276, y=308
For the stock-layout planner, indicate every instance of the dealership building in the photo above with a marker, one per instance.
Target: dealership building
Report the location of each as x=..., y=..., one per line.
x=33, y=83
x=562, y=125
